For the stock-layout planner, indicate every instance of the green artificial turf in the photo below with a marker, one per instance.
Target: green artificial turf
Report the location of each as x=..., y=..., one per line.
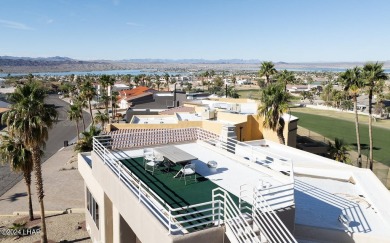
x=174, y=191
x=336, y=128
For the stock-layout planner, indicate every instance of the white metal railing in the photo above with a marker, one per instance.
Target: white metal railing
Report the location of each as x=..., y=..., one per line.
x=233, y=218
x=215, y=212
x=174, y=219
x=245, y=150
x=278, y=196
x=150, y=137
x=268, y=221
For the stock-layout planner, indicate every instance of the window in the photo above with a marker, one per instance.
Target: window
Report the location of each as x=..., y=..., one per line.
x=93, y=208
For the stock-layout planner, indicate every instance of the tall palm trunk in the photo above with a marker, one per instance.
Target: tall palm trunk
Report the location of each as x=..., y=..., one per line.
x=27, y=180
x=357, y=131
x=90, y=111
x=78, y=130
x=112, y=109
x=370, y=128
x=82, y=117
x=279, y=131
x=35, y=152
x=106, y=106
x=103, y=127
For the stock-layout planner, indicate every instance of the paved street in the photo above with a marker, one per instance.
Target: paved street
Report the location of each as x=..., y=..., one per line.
x=61, y=131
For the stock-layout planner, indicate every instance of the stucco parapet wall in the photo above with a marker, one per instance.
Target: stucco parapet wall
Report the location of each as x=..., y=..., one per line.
x=182, y=124
x=232, y=117
x=231, y=100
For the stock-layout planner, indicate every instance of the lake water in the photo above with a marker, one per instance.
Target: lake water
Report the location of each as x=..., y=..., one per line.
x=152, y=72
x=107, y=72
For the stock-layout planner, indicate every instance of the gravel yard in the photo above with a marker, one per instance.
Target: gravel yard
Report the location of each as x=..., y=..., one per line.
x=60, y=228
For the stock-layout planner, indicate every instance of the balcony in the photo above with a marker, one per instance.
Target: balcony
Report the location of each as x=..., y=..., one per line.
x=185, y=208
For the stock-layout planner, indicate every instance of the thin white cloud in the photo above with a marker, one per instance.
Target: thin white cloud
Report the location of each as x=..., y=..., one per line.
x=116, y=2
x=133, y=24
x=49, y=21
x=14, y=25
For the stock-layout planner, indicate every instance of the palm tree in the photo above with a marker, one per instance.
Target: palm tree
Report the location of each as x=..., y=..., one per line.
x=166, y=77
x=106, y=101
x=373, y=74
x=114, y=98
x=101, y=118
x=267, y=69
x=75, y=114
x=232, y=92
x=234, y=81
x=88, y=91
x=339, y=151
x=81, y=103
x=19, y=158
x=157, y=80
x=286, y=77
x=127, y=79
x=136, y=80
x=106, y=81
x=85, y=144
x=30, y=119
x=353, y=83
x=274, y=103
x=326, y=94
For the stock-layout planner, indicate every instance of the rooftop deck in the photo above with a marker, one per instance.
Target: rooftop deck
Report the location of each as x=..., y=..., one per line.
x=324, y=189
x=183, y=208
x=232, y=172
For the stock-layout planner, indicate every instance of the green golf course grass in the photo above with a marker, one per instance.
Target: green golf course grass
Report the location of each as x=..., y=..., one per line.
x=336, y=128
x=249, y=93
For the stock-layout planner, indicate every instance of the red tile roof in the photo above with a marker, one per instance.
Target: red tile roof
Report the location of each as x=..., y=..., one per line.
x=135, y=91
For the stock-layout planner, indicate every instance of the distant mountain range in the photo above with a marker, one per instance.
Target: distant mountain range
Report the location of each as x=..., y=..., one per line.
x=54, y=59
x=29, y=61
x=194, y=61
x=12, y=64
x=59, y=59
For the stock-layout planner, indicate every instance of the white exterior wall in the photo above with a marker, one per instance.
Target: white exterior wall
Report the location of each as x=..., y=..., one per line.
x=102, y=181
x=98, y=194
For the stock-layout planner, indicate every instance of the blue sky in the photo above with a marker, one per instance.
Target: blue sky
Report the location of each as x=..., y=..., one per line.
x=276, y=30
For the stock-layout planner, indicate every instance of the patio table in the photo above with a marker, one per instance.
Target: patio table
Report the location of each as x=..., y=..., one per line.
x=175, y=155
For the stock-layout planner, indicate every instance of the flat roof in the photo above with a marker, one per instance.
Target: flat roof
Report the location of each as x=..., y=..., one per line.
x=151, y=119
x=325, y=189
x=186, y=116
x=231, y=172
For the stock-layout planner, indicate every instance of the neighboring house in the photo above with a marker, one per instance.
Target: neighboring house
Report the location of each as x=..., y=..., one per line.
x=174, y=110
x=150, y=104
x=212, y=114
x=197, y=96
x=120, y=87
x=130, y=96
x=294, y=88
x=243, y=81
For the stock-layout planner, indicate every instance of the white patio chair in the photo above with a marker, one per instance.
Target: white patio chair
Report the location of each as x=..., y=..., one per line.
x=152, y=165
x=148, y=155
x=187, y=171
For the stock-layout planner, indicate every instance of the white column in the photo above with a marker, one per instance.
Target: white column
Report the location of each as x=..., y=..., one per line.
x=116, y=224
